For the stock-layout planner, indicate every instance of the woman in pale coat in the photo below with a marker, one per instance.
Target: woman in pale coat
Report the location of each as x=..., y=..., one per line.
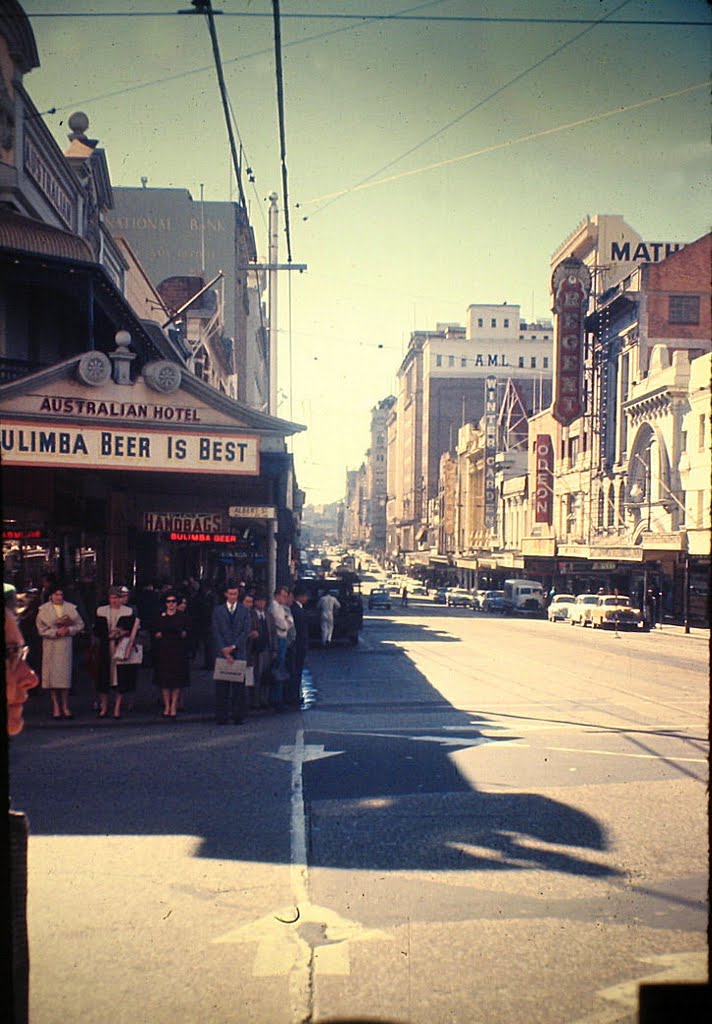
x=58, y=622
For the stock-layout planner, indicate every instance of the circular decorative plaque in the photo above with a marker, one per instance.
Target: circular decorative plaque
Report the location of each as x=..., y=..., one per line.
x=94, y=369
x=162, y=376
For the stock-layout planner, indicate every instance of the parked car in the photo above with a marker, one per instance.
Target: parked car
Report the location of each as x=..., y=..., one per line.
x=417, y=589
x=440, y=595
x=379, y=598
x=525, y=597
x=348, y=620
x=458, y=597
x=580, y=613
x=495, y=601
x=615, y=610
x=560, y=607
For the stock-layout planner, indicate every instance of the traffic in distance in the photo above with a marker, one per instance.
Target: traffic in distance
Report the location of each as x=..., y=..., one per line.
x=358, y=580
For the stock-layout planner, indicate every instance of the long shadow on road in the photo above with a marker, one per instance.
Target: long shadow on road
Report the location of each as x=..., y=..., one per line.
x=380, y=789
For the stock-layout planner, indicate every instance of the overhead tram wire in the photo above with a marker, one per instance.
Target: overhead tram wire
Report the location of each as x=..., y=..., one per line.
x=205, y=7
x=282, y=133
x=466, y=113
x=396, y=16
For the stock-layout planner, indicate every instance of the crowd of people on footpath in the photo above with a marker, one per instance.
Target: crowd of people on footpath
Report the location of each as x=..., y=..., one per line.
x=170, y=630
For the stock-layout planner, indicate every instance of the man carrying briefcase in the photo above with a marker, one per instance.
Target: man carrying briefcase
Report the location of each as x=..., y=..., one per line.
x=231, y=626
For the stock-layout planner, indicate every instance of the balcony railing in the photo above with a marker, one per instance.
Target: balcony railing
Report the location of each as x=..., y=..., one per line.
x=15, y=369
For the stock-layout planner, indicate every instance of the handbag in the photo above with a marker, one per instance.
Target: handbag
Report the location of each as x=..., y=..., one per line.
x=229, y=671
x=126, y=651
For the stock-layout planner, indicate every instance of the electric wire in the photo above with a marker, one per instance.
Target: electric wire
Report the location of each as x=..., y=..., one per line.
x=510, y=142
x=280, y=117
x=396, y=17
x=460, y=117
x=205, y=7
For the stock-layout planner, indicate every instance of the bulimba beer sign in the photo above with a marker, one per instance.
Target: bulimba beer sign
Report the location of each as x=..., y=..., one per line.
x=571, y=285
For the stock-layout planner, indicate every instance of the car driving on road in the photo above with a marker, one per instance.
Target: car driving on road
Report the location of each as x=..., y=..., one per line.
x=379, y=598
x=458, y=597
x=494, y=601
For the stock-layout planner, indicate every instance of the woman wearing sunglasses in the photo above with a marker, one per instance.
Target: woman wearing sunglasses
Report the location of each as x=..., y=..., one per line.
x=170, y=645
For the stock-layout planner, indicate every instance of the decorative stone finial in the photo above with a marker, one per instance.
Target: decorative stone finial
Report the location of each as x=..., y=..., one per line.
x=78, y=122
x=122, y=358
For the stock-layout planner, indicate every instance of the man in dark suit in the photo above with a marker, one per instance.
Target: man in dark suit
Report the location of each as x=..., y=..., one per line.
x=231, y=627
x=299, y=647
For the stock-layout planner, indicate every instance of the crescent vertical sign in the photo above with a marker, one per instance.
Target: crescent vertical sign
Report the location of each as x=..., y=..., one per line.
x=571, y=285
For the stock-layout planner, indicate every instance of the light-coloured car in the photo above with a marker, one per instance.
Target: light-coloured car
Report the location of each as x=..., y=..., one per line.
x=615, y=611
x=580, y=613
x=558, y=610
x=458, y=597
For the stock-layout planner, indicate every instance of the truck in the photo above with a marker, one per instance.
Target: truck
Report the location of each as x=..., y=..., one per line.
x=524, y=597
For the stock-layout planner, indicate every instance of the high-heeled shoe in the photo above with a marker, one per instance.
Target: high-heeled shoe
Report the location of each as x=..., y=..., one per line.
x=103, y=714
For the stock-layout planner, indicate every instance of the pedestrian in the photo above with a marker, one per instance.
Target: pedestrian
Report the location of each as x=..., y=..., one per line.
x=58, y=622
x=328, y=605
x=113, y=622
x=262, y=652
x=280, y=622
x=231, y=628
x=300, y=645
x=404, y=597
x=170, y=636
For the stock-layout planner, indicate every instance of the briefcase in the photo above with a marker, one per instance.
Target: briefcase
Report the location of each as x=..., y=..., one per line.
x=229, y=671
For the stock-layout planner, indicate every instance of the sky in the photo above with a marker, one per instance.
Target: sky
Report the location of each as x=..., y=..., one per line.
x=434, y=160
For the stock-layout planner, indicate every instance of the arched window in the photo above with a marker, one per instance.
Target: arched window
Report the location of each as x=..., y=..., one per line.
x=621, y=503
x=611, y=521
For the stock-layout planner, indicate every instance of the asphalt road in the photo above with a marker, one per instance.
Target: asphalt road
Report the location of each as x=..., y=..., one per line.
x=475, y=820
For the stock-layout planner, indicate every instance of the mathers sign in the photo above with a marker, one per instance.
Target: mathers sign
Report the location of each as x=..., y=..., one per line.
x=544, y=493
x=571, y=285
x=119, y=448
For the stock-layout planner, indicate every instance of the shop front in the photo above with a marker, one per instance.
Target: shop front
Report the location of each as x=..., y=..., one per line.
x=161, y=478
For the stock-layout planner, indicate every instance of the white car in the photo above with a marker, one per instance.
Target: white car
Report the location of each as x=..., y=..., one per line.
x=581, y=609
x=560, y=607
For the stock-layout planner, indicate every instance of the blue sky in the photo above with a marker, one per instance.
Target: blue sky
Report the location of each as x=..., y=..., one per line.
x=449, y=217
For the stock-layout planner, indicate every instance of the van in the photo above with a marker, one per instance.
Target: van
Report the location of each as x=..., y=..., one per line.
x=524, y=597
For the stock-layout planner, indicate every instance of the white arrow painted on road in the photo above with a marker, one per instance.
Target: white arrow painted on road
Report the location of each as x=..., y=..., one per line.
x=303, y=939
x=445, y=741
x=310, y=752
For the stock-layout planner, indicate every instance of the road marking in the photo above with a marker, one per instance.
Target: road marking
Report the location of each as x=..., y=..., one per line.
x=612, y=754
x=445, y=741
x=624, y=996
x=304, y=939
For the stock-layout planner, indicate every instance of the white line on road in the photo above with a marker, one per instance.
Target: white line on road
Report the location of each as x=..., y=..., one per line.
x=282, y=948
x=610, y=753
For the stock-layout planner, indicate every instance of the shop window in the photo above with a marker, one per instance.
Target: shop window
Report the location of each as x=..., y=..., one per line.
x=684, y=309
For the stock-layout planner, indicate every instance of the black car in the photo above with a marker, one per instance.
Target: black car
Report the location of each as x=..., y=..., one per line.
x=348, y=620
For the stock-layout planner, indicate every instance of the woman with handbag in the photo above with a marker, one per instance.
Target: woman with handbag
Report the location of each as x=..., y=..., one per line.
x=170, y=636
x=113, y=623
x=58, y=622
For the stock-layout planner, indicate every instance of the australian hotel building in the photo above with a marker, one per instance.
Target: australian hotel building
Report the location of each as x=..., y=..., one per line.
x=119, y=462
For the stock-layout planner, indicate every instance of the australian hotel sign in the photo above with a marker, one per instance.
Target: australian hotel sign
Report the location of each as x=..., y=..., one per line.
x=571, y=285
